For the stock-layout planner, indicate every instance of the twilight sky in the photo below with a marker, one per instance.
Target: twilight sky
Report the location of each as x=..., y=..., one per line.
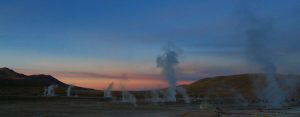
x=91, y=43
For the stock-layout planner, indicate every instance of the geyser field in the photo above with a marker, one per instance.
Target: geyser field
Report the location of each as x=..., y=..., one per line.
x=249, y=95
x=96, y=107
x=224, y=96
x=149, y=58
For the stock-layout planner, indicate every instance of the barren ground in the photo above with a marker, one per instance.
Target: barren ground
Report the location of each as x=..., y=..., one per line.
x=86, y=108
x=94, y=107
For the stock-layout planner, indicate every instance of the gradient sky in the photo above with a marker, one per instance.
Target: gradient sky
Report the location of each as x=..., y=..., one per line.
x=91, y=43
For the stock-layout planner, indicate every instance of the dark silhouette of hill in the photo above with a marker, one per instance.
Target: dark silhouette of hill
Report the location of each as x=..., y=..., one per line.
x=11, y=78
x=6, y=74
x=13, y=83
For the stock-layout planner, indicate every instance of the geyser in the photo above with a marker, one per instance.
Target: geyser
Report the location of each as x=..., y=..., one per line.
x=51, y=90
x=155, y=99
x=45, y=91
x=69, y=90
x=168, y=62
x=257, y=32
x=107, y=91
x=272, y=92
x=184, y=94
x=128, y=97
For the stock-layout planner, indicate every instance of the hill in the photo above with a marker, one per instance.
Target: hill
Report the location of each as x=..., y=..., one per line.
x=11, y=78
x=13, y=83
x=243, y=84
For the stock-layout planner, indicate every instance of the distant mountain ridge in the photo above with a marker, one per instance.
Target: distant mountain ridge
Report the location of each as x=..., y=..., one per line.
x=17, y=84
x=6, y=73
x=9, y=77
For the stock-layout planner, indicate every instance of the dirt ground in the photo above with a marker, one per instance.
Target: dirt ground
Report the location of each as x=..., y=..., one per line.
x=93, y=107
x=87, y=108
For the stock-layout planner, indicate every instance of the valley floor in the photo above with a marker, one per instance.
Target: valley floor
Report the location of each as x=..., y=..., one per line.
x=94, y=107
x=86, y=108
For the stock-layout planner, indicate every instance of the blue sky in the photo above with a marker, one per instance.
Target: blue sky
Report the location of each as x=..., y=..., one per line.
x=117, y=36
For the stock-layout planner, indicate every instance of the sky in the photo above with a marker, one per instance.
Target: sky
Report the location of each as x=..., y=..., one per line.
x=95, y=42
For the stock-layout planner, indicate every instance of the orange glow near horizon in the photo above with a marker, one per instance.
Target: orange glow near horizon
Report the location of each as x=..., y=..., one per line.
x=131, y=81
x=135, y=84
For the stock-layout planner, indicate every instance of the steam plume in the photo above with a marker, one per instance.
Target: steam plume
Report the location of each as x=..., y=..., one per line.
x=257, y=31
x=107, y=92
x=69, y=90
x=168, y=62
